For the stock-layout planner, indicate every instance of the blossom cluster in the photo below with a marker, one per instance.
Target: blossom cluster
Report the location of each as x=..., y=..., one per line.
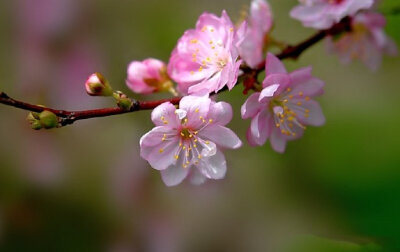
x=189, y=138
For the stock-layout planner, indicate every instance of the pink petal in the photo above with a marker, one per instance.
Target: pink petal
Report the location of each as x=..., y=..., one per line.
x=221, y=136
x=213, y=167
x=282, y=79
x=310, y=88
x=355, y=6
x=273, y=65
x=251, y=106
x=162, y=155
x=174, y=174
x=316, y=116
x=268, y=92
x=220, y=113
x=197, y=107
x=154, y=66
x=260, y=128
x=164, y=115
x=196, y=177
x=278, y=141
x=301, y=75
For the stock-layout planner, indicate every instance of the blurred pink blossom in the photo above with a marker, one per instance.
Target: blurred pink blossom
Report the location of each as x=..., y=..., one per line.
x=259, y=25
x=284, y=107
x=191, y=136
x=206, y=58
x=367, y=41
x=322, y=14
x=148, y=76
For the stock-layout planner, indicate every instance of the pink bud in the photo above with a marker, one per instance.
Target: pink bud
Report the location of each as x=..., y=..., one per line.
x=97, y=85
x=148, y=76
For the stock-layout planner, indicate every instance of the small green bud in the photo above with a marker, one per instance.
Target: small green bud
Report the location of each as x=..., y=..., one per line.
x=36, y=125
x=48, y=119
x=123, y=101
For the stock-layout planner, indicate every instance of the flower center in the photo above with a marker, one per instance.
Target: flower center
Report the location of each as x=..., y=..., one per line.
x=186, y=134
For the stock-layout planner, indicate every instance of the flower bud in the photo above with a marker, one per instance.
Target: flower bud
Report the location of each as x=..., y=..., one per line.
x=148, y=76
x=48, y=120
x=97, y=85
x=123, y=101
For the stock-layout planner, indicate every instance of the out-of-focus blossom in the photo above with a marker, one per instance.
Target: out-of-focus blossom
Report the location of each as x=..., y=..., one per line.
x=259, y=24
x=148, y=76
x=97, y=85
x=206, y=58
x=322, y=14
x=188, y=140
x=284, y=107
x=367, y=41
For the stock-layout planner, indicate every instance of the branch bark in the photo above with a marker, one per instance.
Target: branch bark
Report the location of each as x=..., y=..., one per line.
x=69, y=117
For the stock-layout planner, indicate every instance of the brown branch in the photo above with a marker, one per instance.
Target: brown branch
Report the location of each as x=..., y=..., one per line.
x=69, y=117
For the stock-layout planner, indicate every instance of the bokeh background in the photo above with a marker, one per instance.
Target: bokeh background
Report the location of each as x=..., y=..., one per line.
x=85, y=188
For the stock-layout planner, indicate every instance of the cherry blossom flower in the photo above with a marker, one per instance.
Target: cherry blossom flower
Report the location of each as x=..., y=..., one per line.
x=281, y=111
x=148, y=76
x=259, y=25
x=367, y=41
x=322, y=14
x=188, y=141
x=206, y=58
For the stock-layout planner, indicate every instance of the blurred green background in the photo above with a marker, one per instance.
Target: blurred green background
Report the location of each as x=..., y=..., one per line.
x=85, y=188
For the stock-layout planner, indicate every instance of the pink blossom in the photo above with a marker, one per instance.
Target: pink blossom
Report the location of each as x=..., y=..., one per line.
x=97, y=85
x=284, y=107
x=188, y=141
x=206, y=58
x=367, y=41
x=259, y=25
x=148, y=76
x=322, y=14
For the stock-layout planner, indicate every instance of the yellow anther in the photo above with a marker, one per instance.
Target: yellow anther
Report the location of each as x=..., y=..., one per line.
x=283, y=131
x=196, y=162
x=288, y=89
x=161, y=150
x=282, y=121
x=277, y=125
x=285, y=101
x=306, y=115
x=203, y=62
x=191, y=72
x=184, y=166
x=307, y=98
x=213, y=47
x=165, y=122
x=299, y=103
x=184, y=148
x=307, y=111
x=196, y=132
x=194, y=60
x=212, y=30
x=194, y=41
x=195, y=145
x=190, y=148
x=199, y=156
x=210, y=121
x=195, y=140
x=201, y=118
x=293, y=134
x=208, y=59
x=196, y=110
x=176, y=156
x=290, y=118
x=180, y=144
x=190, y=135
x=207, y=142
x=204, y=28
x=200, y=68
x=290, y=125
x=204, y=121
x=187, y=162
x=231, y=29
x=187, y=154
x=185, y=120
x=211, y=42
x=182, y=134
x=162, y=118
x=301, y=93
x=290, y=96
